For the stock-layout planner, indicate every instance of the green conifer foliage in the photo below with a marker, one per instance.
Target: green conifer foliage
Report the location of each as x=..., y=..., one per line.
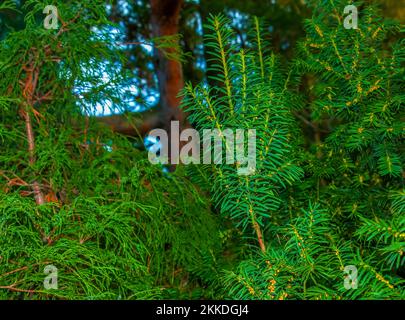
x=73, y=194
x=326, y=196
x=328, y=204
x=254, y=96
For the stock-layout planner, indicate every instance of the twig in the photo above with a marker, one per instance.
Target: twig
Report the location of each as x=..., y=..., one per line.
x=304, y=120
x=13, y=271
x=11, y=287
x=28, y=93
x=66, y=24
x=259, y=236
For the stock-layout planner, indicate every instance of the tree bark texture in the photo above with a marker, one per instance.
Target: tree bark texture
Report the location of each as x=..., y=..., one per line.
x=165, y=22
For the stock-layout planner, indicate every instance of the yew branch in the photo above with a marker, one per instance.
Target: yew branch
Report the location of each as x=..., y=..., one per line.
x=259, y=236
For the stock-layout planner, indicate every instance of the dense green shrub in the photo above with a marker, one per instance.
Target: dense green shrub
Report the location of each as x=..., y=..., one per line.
x=327, y=196
x=112, y=224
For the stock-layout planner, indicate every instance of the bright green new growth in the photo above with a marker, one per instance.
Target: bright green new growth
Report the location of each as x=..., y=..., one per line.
x=254, y=96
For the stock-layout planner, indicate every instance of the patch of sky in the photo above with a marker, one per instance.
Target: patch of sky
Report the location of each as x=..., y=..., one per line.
x=120, y=93
x=239, y=21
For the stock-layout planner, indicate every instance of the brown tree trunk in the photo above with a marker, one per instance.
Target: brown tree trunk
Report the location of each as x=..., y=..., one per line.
x=165, y=22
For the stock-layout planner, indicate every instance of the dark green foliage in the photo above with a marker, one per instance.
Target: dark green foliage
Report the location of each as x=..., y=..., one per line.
x=310, y=263
x=351, y=170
